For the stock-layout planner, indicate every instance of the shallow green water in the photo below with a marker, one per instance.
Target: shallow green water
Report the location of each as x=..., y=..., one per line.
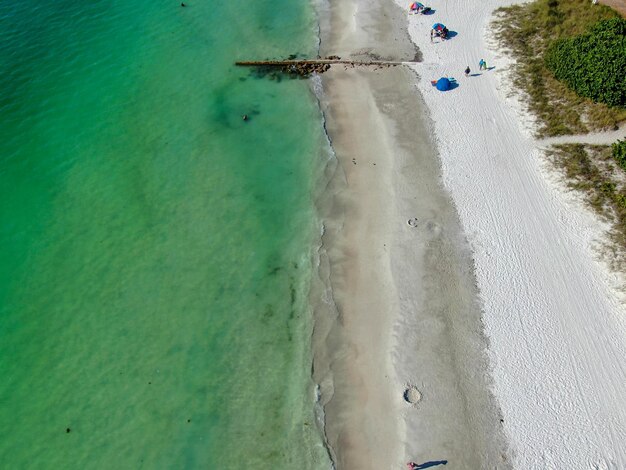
x=155, y=248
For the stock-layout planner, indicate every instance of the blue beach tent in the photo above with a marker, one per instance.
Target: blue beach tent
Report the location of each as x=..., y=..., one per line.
x=443, y=84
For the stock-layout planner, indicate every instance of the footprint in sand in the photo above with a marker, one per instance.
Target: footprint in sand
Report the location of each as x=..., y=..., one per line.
x=433, y=228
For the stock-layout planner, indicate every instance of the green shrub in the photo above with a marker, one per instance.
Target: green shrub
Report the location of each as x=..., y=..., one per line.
x=593, y=64
x=619, y=152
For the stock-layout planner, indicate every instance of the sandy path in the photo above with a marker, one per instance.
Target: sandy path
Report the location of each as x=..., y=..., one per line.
x=556, y=326
x=594, y=138
x=619, y=5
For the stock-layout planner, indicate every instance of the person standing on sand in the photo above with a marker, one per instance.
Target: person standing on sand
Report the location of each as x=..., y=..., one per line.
x=467, y=71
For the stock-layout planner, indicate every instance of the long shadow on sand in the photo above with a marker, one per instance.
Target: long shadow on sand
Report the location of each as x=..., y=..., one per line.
x=432, y=463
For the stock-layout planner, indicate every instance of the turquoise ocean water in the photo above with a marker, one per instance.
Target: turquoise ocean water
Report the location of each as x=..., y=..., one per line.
x=155, y=250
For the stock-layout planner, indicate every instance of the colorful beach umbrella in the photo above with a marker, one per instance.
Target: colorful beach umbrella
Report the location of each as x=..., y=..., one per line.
x=443, y=84
x=438, y=26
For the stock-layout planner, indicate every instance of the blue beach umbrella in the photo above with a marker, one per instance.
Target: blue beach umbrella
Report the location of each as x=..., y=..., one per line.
x=438, y=26
x=443, y=84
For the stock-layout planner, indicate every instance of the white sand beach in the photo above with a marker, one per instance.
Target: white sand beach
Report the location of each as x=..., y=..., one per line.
x=493, y=302
x=551, y=308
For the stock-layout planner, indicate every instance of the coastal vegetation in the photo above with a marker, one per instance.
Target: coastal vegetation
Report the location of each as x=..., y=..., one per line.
x=531, y=30
x=597, y=172
x=619, y=153
x=570, y=59
x=593, y=64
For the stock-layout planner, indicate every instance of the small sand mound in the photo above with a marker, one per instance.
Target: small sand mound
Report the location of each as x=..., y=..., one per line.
x=412, y=395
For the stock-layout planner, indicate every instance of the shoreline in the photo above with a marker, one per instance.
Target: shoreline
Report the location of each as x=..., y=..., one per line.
x=404, y=308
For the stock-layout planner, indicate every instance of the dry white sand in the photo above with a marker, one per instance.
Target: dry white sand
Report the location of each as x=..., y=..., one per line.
x=553, y=316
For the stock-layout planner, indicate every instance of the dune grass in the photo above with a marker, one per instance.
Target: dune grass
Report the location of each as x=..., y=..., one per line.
x=594, y=171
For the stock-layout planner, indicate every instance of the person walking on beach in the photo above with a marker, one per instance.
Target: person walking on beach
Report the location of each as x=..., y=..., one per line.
x=467, y=71
x=482, y=65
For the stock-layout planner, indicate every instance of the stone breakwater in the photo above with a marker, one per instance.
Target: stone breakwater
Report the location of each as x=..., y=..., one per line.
x=306, y=67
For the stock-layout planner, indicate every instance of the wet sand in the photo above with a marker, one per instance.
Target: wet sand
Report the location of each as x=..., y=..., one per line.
x=403, y=309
